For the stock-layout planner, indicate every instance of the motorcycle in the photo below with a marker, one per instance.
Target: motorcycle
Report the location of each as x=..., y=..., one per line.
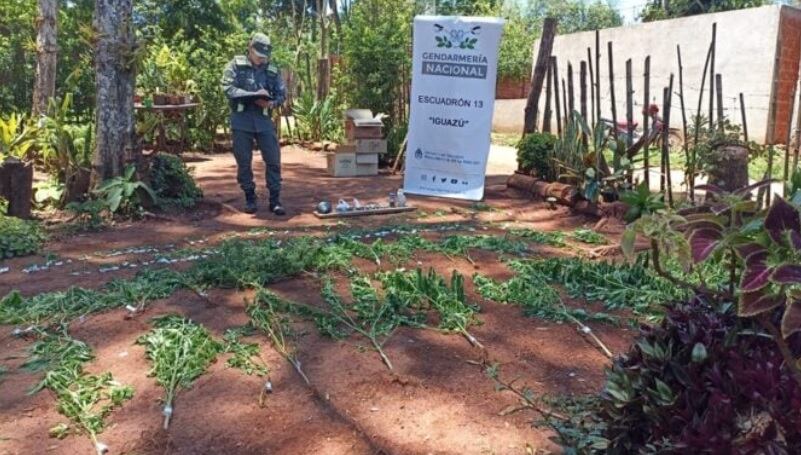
x=655, y=132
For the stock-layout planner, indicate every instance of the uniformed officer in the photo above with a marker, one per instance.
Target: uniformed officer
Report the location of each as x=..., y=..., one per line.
x=254, y=87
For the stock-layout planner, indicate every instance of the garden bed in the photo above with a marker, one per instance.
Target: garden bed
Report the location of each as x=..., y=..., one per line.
x=438, y=398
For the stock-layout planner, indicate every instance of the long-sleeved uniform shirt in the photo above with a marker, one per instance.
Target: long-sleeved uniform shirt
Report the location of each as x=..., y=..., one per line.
x=241, y=80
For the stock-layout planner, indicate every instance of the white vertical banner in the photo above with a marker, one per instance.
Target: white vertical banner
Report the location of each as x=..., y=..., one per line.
x=454, y=67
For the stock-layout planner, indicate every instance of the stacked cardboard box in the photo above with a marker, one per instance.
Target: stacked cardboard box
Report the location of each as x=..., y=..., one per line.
x=365, y=141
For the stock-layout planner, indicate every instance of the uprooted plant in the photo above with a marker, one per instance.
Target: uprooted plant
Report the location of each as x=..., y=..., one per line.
x=266, y=315
x=63, y=306
x=246, y=357
x=180, y=351
x=83, y=398
x=371, y=316
x=424, y=291
x=532, y=291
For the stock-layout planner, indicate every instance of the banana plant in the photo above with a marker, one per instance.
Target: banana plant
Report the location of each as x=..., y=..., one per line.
x=15, y=137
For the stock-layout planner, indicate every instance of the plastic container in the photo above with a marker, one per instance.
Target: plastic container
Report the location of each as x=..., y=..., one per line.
x=400, y=198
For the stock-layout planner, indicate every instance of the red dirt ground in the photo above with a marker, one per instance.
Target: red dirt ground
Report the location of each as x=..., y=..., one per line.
x=436, y=401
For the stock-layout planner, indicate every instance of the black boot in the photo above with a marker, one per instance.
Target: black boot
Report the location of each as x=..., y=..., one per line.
x=277, y=208
x=250, y=202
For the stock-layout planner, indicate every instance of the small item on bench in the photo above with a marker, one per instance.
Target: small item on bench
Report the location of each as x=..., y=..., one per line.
x=400, y=198
x=365, y=211
x=343, y=206
x=324, y=207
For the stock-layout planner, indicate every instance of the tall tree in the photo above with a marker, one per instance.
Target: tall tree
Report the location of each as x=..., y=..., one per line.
x=47, y=54
x=337, y=21
x=662, y=9
x=323, y=64
x=115, y=82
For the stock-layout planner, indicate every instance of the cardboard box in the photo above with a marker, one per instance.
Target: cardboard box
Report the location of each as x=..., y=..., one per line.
x=342, y=164
x=353, y=132
x=378, y=146
x=366, y=164
x=362, y=124
x=346, y=148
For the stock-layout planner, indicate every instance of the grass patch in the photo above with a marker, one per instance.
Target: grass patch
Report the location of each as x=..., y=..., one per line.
x=589, y=236
x=505, y=139
x=556, y=239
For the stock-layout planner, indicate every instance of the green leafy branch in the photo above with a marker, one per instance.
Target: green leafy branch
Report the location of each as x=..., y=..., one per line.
x=180, y=351
x=83, y=398
x=265, y=315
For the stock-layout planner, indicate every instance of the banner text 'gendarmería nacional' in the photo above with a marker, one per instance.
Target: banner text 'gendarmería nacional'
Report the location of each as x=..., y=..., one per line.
x=455, y=65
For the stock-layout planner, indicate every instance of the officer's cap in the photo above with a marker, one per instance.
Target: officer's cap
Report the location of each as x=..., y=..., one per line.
x=261, y=45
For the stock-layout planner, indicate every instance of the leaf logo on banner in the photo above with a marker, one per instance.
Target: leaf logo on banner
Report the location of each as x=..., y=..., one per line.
x=463, y=39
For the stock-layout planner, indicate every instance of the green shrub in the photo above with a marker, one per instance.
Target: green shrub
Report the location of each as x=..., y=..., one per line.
x=172, y=182
x=19, y=237
x=533, y=155
x=704, y=381
x=317, y=120
x=395, y=136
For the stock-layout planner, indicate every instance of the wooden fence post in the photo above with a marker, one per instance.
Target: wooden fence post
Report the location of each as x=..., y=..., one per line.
x=697, y=124
x=612, y=89
x=555, y=69
x=583, y=97
x=546, y=120
x=666, y=140
x=719, y=94
x=570, y=96
x=712, y=77
x=592, y=86
x=797, y=131
x=745, y=124
x=598, y=74
x=685, y=145
x=543, y=59
x=564, y=104
x=629, y=106
x=646, y=123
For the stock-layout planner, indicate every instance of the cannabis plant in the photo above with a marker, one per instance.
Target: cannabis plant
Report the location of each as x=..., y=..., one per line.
x=180, y=351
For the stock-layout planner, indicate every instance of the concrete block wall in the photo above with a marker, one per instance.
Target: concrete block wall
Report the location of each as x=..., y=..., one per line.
x=757, y=53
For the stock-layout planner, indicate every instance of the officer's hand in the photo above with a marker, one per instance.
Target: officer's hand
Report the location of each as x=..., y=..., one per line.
x=262, y=92
x=264, y=104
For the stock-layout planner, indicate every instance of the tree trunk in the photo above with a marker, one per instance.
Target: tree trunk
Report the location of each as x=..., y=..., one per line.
x=729, y=167
x=47, y=51
x=16, y=181
x=337, y=21
x=321, y=9
x=323, y=64
x=115, y=83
